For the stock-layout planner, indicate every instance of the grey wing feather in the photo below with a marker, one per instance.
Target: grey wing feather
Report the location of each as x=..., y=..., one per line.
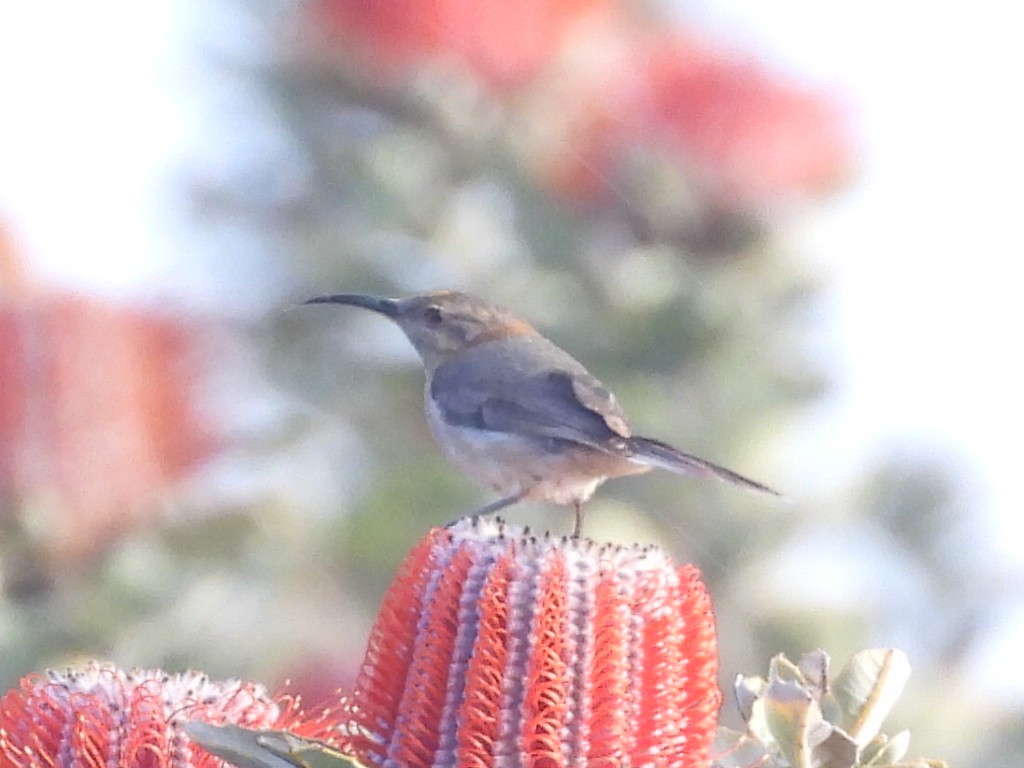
x=593, y=395
x=547, y=405
x=566, y=404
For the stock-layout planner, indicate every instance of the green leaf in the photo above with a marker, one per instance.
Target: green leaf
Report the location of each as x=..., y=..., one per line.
x=795, y=722
x=238, y=746
x=747, y=691
x=867, y=688
x=305, y=752
x=248, y=748
x=750, y=692
x=813, y=668
x=838, y=750
x=885, y=750
x=781, y=668
x=733, y=749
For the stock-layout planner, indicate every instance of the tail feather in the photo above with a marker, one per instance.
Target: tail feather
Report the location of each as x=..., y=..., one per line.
x=655, y=453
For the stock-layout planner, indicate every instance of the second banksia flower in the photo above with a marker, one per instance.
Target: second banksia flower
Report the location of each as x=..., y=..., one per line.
x=101, y=716
x=494, y=647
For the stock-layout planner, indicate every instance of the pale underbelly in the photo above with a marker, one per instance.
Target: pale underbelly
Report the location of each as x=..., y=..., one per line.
x=555, y=471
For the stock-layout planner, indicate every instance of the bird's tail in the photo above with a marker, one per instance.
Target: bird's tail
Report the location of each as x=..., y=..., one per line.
x=655, y=453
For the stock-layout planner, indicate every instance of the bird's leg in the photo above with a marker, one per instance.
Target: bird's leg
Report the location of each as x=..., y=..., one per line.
x=494, y=506
x=577, y=526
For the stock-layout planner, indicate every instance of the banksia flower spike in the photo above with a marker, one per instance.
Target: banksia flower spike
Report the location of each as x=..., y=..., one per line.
x=497, y=648
x=103, y=717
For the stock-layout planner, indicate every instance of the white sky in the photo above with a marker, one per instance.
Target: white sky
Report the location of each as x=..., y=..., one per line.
x=91, y=116
x=924, y=252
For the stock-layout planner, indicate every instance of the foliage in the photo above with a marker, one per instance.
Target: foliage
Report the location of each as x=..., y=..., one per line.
x=802, y=717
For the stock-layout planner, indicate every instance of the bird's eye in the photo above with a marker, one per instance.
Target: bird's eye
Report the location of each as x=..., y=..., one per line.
x=432, y=315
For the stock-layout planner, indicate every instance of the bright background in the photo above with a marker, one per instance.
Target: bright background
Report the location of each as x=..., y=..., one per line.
x=140, y=142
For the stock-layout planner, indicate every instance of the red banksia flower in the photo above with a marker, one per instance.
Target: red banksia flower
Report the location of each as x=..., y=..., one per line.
x=746, y=134
x=755, y=134
x=494, y=647
x=99, y=414
x=504, y=44
x=104, y=717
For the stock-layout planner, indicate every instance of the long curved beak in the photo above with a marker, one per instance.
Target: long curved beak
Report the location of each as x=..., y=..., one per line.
x=387, y=307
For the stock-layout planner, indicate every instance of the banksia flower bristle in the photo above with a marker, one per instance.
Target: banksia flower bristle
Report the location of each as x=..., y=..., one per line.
x=103, y=717
x=497, y=648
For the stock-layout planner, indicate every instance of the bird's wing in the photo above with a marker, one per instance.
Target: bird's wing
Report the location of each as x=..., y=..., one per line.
x=569, y=405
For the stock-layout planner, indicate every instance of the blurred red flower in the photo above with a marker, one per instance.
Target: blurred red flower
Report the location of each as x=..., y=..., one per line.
x=98, y=414
x=103, y=717
x=753, y=135
x=743, y=134
x=495, y=647
x=503, y=43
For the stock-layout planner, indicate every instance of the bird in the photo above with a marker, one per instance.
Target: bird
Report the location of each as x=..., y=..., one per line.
x=516, y=412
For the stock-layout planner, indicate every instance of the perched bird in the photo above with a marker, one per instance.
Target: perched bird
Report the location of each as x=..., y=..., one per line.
x=516, y=412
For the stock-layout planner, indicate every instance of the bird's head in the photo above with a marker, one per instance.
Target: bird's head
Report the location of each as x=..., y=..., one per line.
x=440, y=324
